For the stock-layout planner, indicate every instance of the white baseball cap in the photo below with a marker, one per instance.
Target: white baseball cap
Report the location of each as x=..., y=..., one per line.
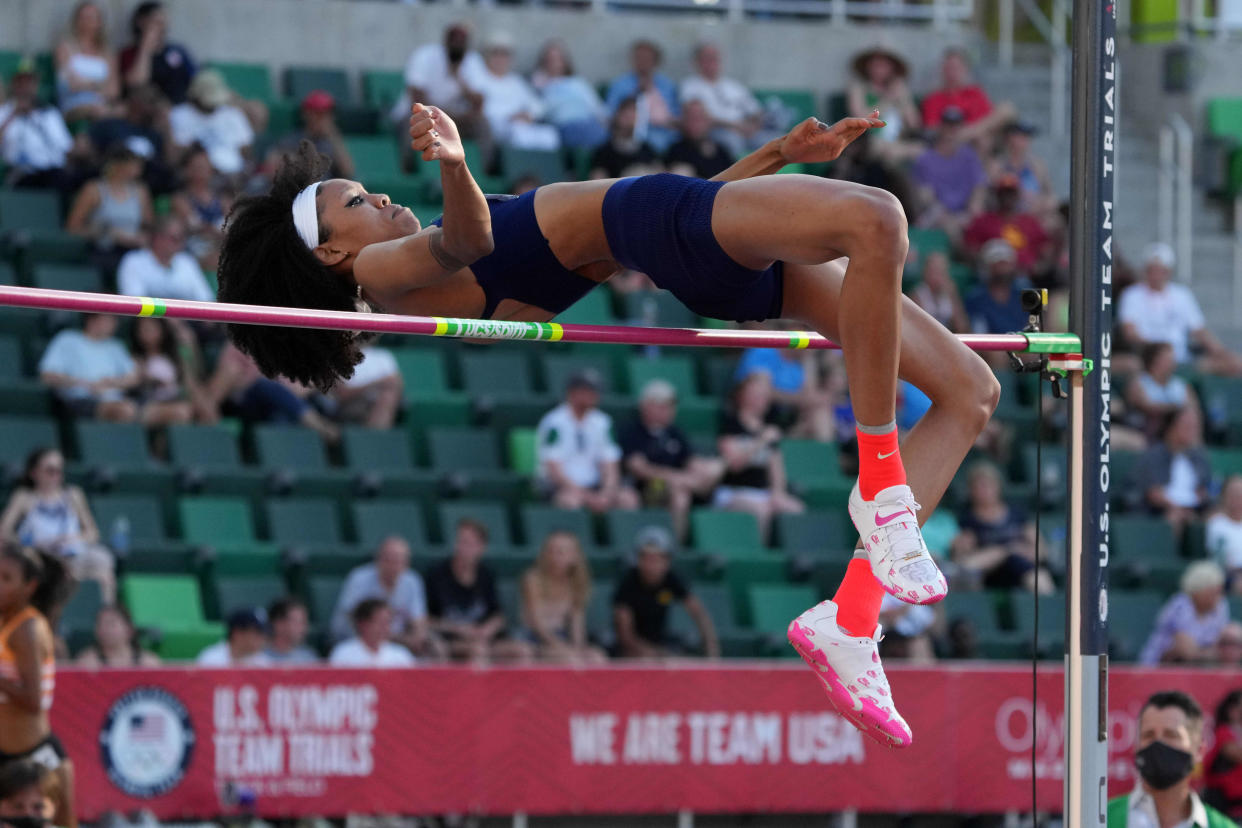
x=1160, y=253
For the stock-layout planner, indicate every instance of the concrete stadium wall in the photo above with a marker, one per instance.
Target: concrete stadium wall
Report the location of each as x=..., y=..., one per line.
x=354, y=34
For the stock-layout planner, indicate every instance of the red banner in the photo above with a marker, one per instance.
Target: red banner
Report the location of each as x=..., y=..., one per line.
x=707, y=738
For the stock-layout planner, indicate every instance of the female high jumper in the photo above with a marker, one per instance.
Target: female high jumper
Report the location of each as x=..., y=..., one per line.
x=746, y=245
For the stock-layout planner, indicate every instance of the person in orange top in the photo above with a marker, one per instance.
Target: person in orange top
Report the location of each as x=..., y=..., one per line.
x=32, y=585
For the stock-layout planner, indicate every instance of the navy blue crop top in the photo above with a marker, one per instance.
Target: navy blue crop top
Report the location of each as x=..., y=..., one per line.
x=521, y=265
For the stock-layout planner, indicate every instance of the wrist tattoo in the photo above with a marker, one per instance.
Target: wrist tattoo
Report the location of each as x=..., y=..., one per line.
x=435, y=243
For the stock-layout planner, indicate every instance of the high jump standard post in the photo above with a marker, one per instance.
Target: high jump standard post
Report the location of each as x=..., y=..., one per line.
x=1093, y=132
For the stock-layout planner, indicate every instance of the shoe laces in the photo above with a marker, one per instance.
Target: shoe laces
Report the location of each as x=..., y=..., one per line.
x=904, y=538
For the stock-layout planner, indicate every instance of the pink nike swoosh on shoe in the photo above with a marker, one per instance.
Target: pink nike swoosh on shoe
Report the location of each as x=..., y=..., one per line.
x=880, y=521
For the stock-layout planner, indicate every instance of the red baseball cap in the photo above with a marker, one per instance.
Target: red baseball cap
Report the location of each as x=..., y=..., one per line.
x=318, y=101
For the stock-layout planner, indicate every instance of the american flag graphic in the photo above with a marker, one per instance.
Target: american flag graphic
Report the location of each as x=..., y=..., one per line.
x=145, y=727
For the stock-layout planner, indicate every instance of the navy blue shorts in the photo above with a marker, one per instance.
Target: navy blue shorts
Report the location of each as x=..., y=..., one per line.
x=661, y=225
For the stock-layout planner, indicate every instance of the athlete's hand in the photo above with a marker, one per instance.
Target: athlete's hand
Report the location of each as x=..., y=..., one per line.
x=434, y=135
x=813, y=141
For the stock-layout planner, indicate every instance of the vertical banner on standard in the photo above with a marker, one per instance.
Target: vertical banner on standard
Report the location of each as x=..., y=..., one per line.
x=1094, y=133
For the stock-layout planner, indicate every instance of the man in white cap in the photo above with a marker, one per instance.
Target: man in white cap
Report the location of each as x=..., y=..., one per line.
x=513, y=108
x=658, y=456
x=1159, y=310
x=995, y=304
x=577, y=458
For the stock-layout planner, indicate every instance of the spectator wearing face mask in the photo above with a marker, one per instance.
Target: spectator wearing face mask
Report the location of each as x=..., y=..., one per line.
x=23, y=803
x=1170, y=744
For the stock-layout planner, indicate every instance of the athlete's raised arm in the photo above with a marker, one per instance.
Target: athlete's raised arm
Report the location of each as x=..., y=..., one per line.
x=810, y=142
x=395, y=267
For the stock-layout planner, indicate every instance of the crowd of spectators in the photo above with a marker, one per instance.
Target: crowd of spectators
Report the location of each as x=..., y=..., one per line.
x=149, y=149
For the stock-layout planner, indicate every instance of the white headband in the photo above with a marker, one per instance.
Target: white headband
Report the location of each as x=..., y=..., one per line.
x=306, y=216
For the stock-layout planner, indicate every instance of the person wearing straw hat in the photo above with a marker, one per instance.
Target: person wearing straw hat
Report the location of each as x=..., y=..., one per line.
x=746, y=245
x=879, y=82
x=210, y=117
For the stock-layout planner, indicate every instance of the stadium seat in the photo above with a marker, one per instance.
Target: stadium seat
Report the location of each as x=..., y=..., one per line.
x=820, y=534
x=430, y=402
x=540, y=521
x=463, y=448
x=11, y=361
x=249, y=80
x=232, y=594
x=374, y=156
x=813, y=470
x=295, y=459
x=83, y=605
x=1054, y=479
x=658, y=309
x=30, y=210
x=66, y=277
x=171, y=605
x=799, y=103
x=300, y=81
x=485, y=374
x=593, y=309
x=1145, y=550
x=208, y=460
x=322, y=593
x=509, y=593
x=599, y=624
x=1224, y=123
x=621, y=526
x=983, y=612
x=492, y=515
x=22, y=435
x=1225, y=461
x=226, y=526
x=303, y=522
x=677, y=370
x=1131, y=617
x=374, y=520
x=521, y=445
x=149, y=548
x=545, y=166
x=116, y=455
x=381, y=88
x=558, y=368
x=380, y=450
x=1051, y=621
x=773, y=606
x=725, y=533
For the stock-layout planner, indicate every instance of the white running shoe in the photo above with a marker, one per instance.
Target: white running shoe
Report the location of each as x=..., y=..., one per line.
x=890, y=533
x=851, y=672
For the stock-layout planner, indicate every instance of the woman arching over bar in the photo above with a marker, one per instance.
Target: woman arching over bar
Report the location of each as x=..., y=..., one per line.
x=744, y=246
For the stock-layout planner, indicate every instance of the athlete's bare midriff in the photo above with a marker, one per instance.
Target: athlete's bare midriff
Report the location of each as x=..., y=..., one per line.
x=570, y=217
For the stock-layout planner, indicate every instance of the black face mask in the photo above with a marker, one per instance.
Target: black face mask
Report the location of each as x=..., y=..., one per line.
x=23, y=822
x=1162, y=766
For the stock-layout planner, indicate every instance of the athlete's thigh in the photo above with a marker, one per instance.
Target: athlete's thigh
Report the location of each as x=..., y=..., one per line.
x=793, y=218
x=931, y=358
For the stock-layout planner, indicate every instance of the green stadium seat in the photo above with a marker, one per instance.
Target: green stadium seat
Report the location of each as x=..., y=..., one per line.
x=545, y=166
x=1225, y=461
x=378, y=450
x=83, y=605
x=1054, y=479
x=725, y=533
x=1131, y=616
x=735, y=640
x=773, y=606
x=53, y=245
x=300, y=81
x=1145, y=550
x=429, y=400
x=22, y=435
x=521, y=444
x=621, y=527
x=489, y=374
x=295, y=459
x=208, y=459
x=217, y=522
x=813, y=470
x=143, y=513
x=717, y=371
x=1051, y=621
x=30, y=210
x=677, y=370
x=322, y=594
x=558, y=368
x=304, y=522
x=509, y=593
x=595, y=308
x=658, y=309
x=11, y=362
x=374, y=156
x=374, y=520
x=821, y=534
x=67, y=277
x=494, y=516
x=540, y=521
x=252, y=81
x=599, y=624
x=232, y=594
x=172, y=605
x=8, y=276
x=471, y=449
x=382, y=88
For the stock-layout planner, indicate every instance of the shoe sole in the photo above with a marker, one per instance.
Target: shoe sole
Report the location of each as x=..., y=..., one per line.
x=912, y=596
x=838, y=696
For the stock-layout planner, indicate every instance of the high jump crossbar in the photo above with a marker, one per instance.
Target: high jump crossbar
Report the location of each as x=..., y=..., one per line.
x=76, y=301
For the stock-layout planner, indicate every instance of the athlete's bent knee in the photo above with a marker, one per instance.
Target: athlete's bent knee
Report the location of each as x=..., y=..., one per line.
x=985, y=391
x=880, y=222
